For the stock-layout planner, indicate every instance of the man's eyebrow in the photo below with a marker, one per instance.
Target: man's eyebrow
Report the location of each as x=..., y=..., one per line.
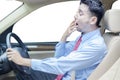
x=83, y=11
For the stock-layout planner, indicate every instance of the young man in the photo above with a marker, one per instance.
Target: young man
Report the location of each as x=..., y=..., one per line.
x=82, y=59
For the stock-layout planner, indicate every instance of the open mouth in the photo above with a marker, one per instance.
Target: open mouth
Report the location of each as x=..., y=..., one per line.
x=76, y=24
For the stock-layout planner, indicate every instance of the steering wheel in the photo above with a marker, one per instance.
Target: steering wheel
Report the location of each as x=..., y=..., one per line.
x=21, y=48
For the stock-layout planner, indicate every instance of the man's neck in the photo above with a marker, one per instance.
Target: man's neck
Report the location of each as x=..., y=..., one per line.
x=90, y=29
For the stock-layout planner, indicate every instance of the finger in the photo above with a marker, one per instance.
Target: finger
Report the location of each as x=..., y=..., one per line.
x=9, y=53
x=10, y=59
x=74, y=29
x=72, y=23
x=9, y=50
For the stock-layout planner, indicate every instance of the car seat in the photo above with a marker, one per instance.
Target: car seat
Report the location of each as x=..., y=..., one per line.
x=116, y=4
x=109, y=68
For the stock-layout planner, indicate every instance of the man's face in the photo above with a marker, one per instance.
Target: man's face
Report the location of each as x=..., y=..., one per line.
x=82, y=18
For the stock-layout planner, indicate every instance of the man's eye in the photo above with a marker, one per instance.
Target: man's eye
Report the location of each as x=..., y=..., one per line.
x=81, y=13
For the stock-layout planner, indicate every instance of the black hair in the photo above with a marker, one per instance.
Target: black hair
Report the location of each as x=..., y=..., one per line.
x=96, y=8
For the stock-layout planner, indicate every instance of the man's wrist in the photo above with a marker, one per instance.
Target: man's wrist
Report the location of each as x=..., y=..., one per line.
x=64, y=38
x=25, y=62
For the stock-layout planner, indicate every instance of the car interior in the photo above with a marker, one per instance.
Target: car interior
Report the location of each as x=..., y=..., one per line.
x=108, y=69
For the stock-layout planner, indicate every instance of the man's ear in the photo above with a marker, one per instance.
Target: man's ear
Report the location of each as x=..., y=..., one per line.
x=93, y=20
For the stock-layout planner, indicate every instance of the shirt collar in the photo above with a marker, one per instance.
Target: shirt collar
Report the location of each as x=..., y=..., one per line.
x=90, y=34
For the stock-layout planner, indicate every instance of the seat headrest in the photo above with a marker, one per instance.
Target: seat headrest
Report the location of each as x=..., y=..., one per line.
x=112, y=20
x=116, y=4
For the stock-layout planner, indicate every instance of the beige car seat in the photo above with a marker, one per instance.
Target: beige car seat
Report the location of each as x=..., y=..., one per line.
x=109, y=68
x=116, y=4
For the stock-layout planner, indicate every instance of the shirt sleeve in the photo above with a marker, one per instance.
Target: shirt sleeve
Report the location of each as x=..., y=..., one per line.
x=76, y=60
x=63, y=49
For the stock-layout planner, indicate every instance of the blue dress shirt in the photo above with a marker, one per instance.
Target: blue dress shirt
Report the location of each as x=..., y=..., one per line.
x=83, y=61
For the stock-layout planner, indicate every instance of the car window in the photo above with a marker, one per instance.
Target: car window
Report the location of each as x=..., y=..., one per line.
x=7, y=6
x=48, y=23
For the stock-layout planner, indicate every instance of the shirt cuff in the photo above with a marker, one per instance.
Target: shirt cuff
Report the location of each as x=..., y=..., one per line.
x=60, y=43
x=35, y=63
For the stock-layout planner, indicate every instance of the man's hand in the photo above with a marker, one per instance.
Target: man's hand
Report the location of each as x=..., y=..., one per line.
x=69, y=31
x=14, y=56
